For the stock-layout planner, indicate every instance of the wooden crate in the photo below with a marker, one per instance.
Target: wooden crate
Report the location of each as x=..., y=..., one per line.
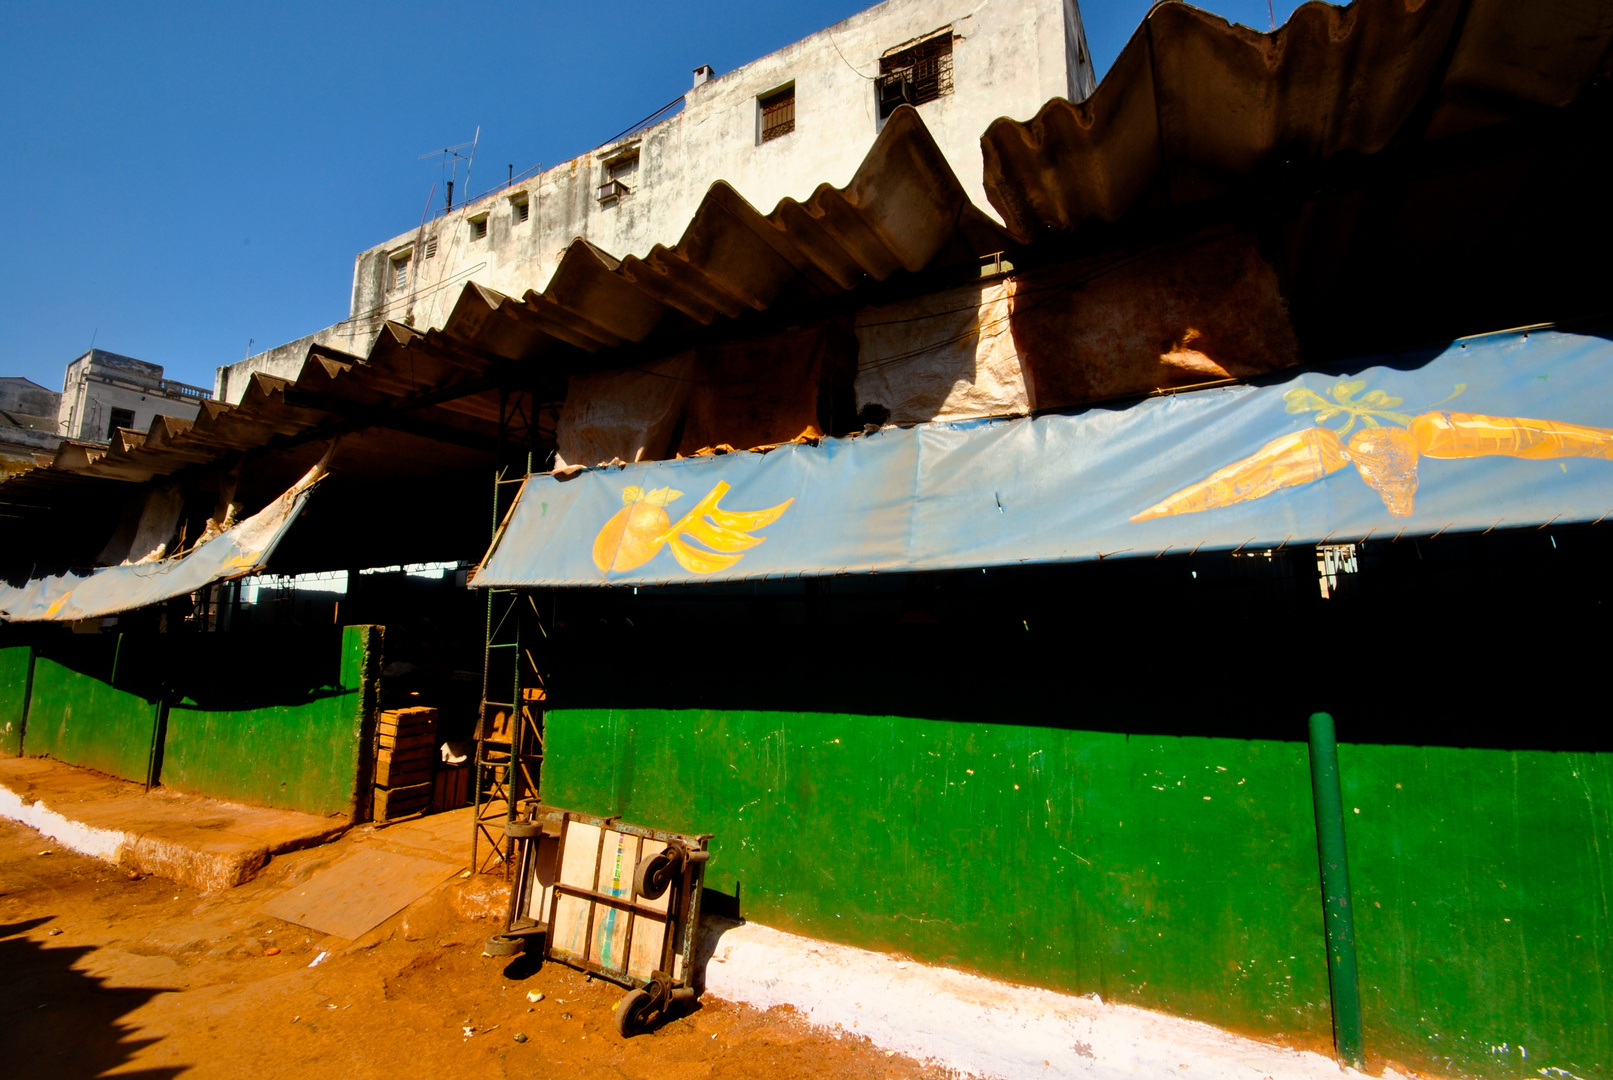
x=451, y=788
x=405, y=759
x=399, y=802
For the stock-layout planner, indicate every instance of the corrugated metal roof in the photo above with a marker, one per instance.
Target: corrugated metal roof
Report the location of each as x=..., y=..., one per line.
x=1195, y=106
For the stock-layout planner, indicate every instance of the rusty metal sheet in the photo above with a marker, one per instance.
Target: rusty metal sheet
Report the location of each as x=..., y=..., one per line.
x=1195, y=105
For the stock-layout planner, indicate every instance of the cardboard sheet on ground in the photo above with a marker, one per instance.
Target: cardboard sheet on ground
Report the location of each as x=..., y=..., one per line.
x=360, y=892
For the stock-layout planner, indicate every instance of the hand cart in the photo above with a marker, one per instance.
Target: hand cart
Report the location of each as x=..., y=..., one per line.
x=621, y=901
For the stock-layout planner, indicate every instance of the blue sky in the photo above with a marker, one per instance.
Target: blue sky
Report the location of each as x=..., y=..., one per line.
x=184, y=178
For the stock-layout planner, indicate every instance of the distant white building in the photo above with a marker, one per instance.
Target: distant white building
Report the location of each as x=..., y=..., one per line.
x=103, y=392
x=775, y=128
x=27, y=423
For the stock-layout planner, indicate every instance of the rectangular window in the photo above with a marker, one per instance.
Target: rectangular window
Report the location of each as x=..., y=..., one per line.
x=618, y=171
x=121, y=418
x=778, y=113
x=431, y=248
x=520, y=209
x=478, y=228
x=400, y=271
x=915, y=74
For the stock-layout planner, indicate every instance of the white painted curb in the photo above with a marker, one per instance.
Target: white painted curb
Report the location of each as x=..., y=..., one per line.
x=106, y=844
x=982, y=1027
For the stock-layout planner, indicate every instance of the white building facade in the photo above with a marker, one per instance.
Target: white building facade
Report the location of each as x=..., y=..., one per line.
x=104, y=391
x=776, y=128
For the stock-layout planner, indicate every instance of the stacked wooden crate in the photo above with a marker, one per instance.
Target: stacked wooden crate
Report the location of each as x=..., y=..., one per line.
x=406, y=752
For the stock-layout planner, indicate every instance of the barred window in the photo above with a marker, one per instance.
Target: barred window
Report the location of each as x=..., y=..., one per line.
x=522, y=209
x=778, y=113
x=121, y=418
x=478, y=228
x=916, y=74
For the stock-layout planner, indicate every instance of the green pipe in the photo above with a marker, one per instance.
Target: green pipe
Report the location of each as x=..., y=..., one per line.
x=1338, y=917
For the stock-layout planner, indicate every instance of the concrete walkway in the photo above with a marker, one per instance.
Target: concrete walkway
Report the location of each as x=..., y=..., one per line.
x=204, y=843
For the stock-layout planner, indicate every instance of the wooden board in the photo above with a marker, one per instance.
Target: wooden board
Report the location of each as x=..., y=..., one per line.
x=360, y=892
x=450, y=788
x=407, y=727
x=608, y=869
x=607, y=945
x=413, y=714
x=649, y=935
x=577, y=862
x=394, y=802
x=414, y=753
x=407, y=742
x=391, y=773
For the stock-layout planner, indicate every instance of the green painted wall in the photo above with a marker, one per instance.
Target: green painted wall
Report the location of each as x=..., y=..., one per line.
x=1482, y=881
x=1174, y=872
x=306, y=753
x=78, y=715
x=16, y=668
x=1178, y=873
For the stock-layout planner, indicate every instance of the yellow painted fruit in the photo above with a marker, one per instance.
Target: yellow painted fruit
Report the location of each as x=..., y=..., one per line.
x=631, y=537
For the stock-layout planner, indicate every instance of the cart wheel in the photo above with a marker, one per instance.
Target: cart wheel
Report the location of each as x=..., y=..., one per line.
x=504, y=945
x=523, y=830
x=632, y=1013
x=655, y=873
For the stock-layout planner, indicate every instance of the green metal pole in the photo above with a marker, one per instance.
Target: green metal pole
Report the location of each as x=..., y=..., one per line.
x=1338, y=916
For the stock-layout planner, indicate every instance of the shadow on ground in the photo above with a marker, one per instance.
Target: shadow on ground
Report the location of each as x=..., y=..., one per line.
x=57, y=1022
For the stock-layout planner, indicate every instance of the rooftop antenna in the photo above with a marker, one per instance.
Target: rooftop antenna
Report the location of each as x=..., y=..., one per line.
x=452, y=153
x=476, y=139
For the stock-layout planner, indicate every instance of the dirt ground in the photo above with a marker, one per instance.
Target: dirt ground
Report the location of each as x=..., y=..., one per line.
x=104, y=975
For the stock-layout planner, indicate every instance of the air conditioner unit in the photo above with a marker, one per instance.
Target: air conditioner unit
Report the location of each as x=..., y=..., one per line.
x=894, y=90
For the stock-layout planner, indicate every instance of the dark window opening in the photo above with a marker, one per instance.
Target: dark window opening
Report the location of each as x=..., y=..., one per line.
x=778, y=113
x=121, y=418
x=478, y=228
x=523, y=210
x=917, y=74
x=617, y=171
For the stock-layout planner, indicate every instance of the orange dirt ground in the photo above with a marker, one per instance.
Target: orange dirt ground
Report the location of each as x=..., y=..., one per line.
x=104, y=975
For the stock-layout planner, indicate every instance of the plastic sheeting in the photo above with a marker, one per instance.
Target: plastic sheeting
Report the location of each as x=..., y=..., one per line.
x=242, y=549
x=947, y=356
x=1505, y=430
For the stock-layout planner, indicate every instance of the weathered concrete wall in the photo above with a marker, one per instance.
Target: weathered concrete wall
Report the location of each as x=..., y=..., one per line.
x=29, y=404
x=1173, y=872
x=285, y=361
x=310, y=755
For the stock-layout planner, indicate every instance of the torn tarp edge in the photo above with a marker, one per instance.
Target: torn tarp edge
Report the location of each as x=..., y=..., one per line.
x=241, y=550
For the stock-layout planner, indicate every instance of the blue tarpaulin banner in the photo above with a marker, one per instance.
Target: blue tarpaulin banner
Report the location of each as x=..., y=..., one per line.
x=1504, y=430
